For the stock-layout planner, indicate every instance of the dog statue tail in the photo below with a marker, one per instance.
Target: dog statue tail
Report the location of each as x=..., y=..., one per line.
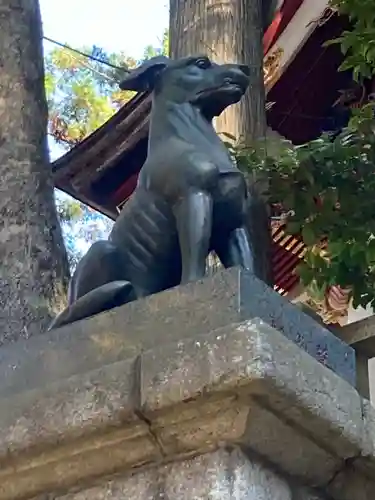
x=103, y=298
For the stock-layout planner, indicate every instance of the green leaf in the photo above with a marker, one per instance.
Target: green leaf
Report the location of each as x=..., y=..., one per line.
x=370, y=252
x=305, y=273
x=83, y=94
x=335, y=248
x=293, y=227
x=308, y=235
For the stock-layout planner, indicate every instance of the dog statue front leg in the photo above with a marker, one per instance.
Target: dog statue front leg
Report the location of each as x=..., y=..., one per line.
x=193, y=214
x=236, y=249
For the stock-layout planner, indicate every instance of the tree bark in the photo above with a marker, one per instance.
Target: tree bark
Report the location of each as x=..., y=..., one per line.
x=33, y=263
x=227, y=31
x=232, y=31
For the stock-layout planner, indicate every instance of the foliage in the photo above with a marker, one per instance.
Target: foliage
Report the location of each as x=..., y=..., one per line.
x=325, y=189
x=151, y=51
x=68, y=209
x=358, y=43
x=81, y=226
x=82, y=94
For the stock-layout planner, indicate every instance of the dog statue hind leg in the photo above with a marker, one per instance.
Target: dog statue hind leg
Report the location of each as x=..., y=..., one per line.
x=97, y=285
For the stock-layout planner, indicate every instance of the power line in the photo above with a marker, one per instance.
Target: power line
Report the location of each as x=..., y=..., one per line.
x=83, y=54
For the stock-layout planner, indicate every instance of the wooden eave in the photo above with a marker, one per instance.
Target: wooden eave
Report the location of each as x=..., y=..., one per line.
x=74, y=171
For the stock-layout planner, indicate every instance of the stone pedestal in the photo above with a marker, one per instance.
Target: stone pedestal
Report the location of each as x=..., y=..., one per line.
x=224, y=474
x=216, y=404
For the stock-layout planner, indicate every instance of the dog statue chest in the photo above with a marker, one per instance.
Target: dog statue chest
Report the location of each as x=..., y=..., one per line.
x=177, y=156
x=211, y=148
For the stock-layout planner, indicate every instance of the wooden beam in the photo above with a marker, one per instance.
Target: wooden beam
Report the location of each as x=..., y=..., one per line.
x=360, y=335
x=296, y=33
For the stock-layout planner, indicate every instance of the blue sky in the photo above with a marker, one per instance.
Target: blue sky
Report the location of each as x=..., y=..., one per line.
x=114, y=25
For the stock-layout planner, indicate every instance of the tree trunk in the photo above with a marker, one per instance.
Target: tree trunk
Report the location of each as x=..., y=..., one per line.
x=232, y=31
x=33, y=263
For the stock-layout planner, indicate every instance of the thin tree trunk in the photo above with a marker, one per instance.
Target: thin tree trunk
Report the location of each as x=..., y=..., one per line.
x=33, y=262
x=232, y=31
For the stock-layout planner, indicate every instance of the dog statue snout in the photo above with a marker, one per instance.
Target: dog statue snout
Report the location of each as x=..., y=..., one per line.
x=237, y=73
x=233, y=78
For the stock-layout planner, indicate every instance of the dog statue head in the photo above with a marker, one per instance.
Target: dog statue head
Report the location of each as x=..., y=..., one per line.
x=195, y=80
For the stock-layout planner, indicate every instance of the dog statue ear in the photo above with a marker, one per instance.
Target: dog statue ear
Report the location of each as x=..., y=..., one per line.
x=144, y=77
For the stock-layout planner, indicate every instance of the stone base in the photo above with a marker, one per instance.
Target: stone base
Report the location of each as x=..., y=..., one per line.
x=240, y=387
x=216, y=411
x=226, y=474
x=230, y=296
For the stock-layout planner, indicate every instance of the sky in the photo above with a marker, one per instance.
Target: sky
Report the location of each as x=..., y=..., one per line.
x=114, y=25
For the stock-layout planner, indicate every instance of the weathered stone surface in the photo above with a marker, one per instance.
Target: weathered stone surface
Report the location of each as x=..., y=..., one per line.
x=81, y=428
x=227, y=425
x=228, y=297
x=307, y=494
x=70, y=409
x=257, y=301
x=142, y=486
x=366, y=460
x=244, y=385
x=349, y=485
x=289, y=449
x=63, y=467
x=255, y=428
x=222, y=475
x=253, y=358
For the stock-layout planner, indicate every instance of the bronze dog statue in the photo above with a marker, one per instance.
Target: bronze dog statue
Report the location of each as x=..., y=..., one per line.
x=191, y=198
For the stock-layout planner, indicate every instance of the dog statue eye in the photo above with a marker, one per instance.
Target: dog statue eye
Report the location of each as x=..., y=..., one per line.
x=203, y=63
